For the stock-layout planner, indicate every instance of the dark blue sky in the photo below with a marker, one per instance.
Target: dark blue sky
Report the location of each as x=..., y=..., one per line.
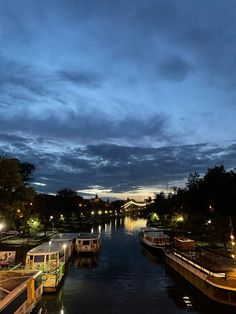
x=119, y=98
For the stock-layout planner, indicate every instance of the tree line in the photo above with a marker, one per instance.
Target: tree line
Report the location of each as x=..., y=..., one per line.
x=213, y=192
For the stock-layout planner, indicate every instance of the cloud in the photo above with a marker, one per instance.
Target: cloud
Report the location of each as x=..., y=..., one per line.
x=118, y=168
x=175, y=69
x=81, y=78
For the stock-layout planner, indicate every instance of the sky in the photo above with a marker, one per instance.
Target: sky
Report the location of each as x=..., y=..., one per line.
x=119, y=98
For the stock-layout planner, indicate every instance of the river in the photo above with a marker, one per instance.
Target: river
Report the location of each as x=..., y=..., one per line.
x=125, y=278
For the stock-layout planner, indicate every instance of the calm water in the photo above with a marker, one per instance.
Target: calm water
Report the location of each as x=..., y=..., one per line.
x=125, y=278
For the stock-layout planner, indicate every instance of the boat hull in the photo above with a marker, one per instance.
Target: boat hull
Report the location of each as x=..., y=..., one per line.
x=202, y=281
x=157, y=250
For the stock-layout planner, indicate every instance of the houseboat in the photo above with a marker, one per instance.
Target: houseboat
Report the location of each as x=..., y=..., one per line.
x=20, y=291
x=50, y=258
x=213, y=275
x=87, y=243
x=68, y=239
x=155, y=241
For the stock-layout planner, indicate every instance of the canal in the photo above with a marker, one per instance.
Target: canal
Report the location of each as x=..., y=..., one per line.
x=125, y=278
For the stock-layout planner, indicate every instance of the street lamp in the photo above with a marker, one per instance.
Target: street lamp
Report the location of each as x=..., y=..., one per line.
x=51, y=218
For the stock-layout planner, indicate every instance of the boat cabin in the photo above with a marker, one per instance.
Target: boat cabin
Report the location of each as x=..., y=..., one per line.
x=68, y=239
x=157, y=238
x=87, y=243
x=184, y=244
x=47, y=256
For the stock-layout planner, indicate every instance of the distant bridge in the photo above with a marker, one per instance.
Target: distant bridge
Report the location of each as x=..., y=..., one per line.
x=132, y=205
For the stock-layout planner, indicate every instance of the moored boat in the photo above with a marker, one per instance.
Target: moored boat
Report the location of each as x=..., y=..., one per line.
x=20, y=291
x=50, y=258
x=68, y=239
x=155, y=241
x=87, y=243
x=213, y=275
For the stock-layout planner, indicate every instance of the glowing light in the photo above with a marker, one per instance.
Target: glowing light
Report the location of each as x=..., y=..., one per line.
x=233, y=255
x=232, y=237
x=180, y=218
x=39, y=183
x=99, y=212
x=92, y=213
x=1, y=226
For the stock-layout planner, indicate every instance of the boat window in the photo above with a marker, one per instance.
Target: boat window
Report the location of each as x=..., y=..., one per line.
x=79, y=242
x=47, y=258
x=31, y=257
x=94, y=241
x=16, y=303
x=53, y=256
x=86, y=242
x=38, y=258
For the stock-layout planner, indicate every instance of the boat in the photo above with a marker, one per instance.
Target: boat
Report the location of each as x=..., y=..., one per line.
x=148, y=229
x=20, y=291
x=50, y=258
x=155, y=241
x=68, y=239
x=87, y=243
x=212, y=274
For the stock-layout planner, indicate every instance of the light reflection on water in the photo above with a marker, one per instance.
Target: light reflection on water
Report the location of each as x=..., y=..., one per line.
x=124, y=278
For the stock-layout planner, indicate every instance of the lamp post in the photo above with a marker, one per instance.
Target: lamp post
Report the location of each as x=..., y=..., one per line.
x=51, y=218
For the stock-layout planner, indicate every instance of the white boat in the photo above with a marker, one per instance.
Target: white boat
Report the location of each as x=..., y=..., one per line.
x=88, y=243
x=68, y=239
x=155, y=241
x=20, y=291
x=148, y=229
x=50, y=258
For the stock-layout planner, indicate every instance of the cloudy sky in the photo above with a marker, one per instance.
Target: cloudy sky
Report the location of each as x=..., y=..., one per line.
x=119, y=98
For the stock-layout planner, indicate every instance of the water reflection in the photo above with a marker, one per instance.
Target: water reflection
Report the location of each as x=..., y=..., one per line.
x=86, y=261
x=132, y=225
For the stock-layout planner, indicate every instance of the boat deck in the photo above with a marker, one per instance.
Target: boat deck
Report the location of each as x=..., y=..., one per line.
x=10, y=280
x=211, y=261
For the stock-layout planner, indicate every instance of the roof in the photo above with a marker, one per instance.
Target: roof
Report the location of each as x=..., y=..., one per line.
x=48, y=247
x=85, y=236
x=10, y=280
x=155, y=234
x=64, y=237
x=184, y=240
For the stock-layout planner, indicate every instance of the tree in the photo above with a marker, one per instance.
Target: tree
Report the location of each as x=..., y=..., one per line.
x=15, y=195
x=68, y=202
